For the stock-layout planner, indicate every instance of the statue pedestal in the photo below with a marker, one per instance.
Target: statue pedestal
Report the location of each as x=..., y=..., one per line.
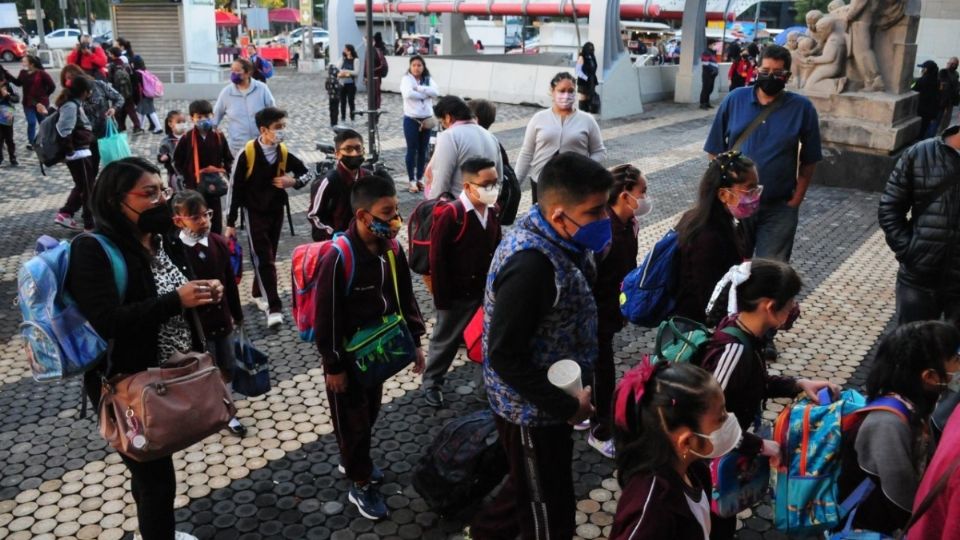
x=862, y=135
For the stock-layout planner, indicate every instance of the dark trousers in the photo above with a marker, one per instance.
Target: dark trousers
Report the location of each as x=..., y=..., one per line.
x=334, y=111
x=129, y=109
x=708, y=77
x=537, y=500
x=924, y=304
x=153, y=485
x=348, y=94
x=75, y=198
x=221, y=348
x=722, y=528
x=84, y=175
x=264, y=230
x=213, y=203
x=417, y=142
x=446, y=340
x=377, y=96
x=353, y=413
x=6, y=137
x=604, y=380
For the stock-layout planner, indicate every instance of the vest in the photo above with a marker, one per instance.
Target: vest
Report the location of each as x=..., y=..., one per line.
x=568, y=331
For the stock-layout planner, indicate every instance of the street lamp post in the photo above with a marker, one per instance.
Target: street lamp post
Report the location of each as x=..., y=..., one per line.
x=372, y=112
x=38, y=8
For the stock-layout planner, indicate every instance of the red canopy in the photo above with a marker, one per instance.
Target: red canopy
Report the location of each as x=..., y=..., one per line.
x=284, y=15
x=225, y=18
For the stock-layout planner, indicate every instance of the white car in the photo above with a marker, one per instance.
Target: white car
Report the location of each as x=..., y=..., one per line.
x=64, y=38
x=321, y=40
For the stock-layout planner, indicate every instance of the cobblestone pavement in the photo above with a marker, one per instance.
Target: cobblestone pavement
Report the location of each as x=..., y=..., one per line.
x=60, y=480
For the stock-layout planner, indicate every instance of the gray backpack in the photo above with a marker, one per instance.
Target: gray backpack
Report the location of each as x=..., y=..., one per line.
x=48, y=142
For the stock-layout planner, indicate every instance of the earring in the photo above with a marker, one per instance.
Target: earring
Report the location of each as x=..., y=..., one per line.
x=685, y=455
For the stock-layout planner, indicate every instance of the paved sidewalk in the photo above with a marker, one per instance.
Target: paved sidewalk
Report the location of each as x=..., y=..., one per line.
x=60, y=480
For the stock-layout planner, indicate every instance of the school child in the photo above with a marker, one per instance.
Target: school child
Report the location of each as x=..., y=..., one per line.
x=76, y=136
x=914, y=364
x=145, y=108
x=260, y=182
x=627, y=203
x=371, y=296
x=208, y=257
x=330, y=211
x=755, y=298
x=7, y=100
x=669, y=418
x=121, y=78
x=462, y=241
x=174, y=126
x=203, y=150
x=332, y=86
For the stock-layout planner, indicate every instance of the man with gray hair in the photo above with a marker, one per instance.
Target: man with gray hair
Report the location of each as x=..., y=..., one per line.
x=949, y=92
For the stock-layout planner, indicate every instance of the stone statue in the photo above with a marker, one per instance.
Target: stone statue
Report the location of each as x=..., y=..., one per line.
x=805, y=47
x=865, y=18
x=828, y=66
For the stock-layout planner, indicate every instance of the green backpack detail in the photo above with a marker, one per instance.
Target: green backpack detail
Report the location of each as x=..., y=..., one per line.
x=684, y=340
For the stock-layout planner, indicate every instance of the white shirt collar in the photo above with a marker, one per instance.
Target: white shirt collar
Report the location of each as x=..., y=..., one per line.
x=189, y=241
x=468, y=207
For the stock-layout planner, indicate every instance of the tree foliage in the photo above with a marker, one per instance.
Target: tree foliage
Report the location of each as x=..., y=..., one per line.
x=803, y=6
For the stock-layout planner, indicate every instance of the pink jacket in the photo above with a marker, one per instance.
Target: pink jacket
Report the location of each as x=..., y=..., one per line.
x=942, y=520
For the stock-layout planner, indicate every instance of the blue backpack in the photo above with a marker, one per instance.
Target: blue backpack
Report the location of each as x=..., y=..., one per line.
x=647, y=293
x=59, y=341
x=806, y=499
x=265, y=66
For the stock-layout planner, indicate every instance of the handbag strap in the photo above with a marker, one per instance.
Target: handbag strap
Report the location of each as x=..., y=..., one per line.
x=933, y=494
x=393, y=274
x=759, y=119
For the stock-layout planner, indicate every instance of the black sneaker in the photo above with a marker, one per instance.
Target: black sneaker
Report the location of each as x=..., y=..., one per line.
x=30, y=147
x=14, y=162
x=434, y=397
x=368, y=501
x=237, y=428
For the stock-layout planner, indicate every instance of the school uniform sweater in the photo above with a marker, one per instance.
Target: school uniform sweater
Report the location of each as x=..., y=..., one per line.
x=461, y=249
x=614, y=265
x=212, y=149
x=744, y=379
x=662, y=506
x=257, y=193
x=212, y=261
x=330, y=209
x=340, y=313
x=704, y=260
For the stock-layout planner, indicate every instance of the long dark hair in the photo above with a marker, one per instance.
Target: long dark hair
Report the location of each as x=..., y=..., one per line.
x=768, y=279
x=35, y=61
x=727, y=170
x=352, y=50
x=676, y=395
x=426, y=73
x=902, y=357
x=113, y=183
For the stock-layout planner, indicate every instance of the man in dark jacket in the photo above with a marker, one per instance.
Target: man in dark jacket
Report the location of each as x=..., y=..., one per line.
x=949, y=92
x=925, y=183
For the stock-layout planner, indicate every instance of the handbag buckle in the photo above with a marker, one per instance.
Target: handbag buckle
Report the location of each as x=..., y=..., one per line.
x=161, y=389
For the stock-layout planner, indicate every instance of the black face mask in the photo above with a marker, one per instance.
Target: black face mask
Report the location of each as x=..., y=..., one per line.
x=352, y=162
x=156, y=220
x=771, y=86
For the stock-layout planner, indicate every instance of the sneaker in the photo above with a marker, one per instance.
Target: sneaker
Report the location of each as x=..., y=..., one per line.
x=274, y=319
x=604, y=447
x=30, y=147
x=137, y=131
x=237, y=428
x=582, y=426
x=67, y=221
x=434, y=397
x=368, y=501
x=262, y=303
x=14, y=162
x=376, y=476
x=157, y=132
x=414, y=188
x=180, y=535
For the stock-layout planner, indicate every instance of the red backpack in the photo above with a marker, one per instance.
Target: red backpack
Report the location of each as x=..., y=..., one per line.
x=304, y=269
x=420, y=226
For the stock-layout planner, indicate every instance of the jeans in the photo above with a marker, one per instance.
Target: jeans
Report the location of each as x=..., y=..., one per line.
x=924, y=304
x=33, y=118
x=417, y=142
x=772, y=229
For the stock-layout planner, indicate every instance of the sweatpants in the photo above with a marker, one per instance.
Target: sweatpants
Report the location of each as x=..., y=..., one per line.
x=153, y=485
x=446, y=340
x=264, y=229
x=334, y=111
x=84, y=175
x=604, y=380
x=537, y=501
x=354, y=413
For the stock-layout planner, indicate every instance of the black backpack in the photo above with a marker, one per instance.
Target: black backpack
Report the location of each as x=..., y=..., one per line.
x=121, y=81
x=418, y=232
x=463, y=464
x=509, y=199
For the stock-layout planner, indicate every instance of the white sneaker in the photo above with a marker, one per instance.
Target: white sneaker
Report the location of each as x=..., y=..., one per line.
x=582, y=426
x=274, y=319
x=262, y=304
x=604, y=447
x=177, y=535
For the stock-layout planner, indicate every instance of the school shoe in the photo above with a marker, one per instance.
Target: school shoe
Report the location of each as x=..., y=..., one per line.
x=67, y=221
x=604, y=447
x=14, y=162
x=582, y=426
x=177, y=535
x=274, y=319
x=368, y=501
x=414, y=188
x=434, y=397
x=376, y=475
x=262, y=303
x=237, y=428
x=157, y=132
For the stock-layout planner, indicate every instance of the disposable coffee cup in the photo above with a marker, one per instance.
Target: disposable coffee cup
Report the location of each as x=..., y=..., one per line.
x=565, y=375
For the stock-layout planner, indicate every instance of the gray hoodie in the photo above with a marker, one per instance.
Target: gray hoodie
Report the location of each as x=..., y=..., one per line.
x=239, y=108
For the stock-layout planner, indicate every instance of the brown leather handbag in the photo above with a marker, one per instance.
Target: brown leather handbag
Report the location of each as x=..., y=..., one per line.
x=154, y=413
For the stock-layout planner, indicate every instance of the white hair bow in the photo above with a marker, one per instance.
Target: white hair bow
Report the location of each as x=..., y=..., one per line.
x=734, y=277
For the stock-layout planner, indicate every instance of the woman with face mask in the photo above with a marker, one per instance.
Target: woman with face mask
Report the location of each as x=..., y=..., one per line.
x=561, y=128
x=238, y=104
x=587, y=78
x=347, y=76
x=148, y=323
x=710, y=234
x=752, y=300
x=37, y=89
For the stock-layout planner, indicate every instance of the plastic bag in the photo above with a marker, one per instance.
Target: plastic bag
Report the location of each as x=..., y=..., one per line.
x=114, y=146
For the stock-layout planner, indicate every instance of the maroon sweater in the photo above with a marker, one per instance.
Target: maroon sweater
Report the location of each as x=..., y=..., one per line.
x=459, y=266
x=341, y=313
x=37, y=87
x=654, y=506
x=615, y=264
x=704, y=259
x=212, y=150
x=330, y=210
x=213, y=262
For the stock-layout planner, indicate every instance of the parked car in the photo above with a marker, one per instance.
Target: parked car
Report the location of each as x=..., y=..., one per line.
x=64, y=38
x=105, y=39
x=287, y=37
x=321, y=40
x=11, y=48
x=17, y=32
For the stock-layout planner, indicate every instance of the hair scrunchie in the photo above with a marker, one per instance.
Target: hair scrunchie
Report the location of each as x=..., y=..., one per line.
x=633, y=382
x=734, y=277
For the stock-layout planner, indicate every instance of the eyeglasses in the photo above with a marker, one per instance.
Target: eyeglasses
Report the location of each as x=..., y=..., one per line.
x=208, y=215
x=153, y=194
x=778, y=73
x=755, y=192
x=352, y=149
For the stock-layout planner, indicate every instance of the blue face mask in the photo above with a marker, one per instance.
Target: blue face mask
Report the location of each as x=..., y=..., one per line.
x=205, y=125
x=595, y=236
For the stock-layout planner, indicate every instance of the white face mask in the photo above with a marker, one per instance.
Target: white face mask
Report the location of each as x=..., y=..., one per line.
x=644, y=206
x=181, y=127
x=724, y=439
x=953, y=382
x=488, y=194
x=564, y=100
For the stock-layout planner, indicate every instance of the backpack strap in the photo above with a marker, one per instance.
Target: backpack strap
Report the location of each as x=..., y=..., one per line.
x=460, y=214
x=341, y=243
x=741, y=336
x=889, y=404
x=250, y=152
x=282, y=162
x=117, y=262
x=392, y=258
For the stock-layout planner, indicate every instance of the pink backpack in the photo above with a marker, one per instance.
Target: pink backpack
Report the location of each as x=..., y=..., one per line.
x=152, y=86
x=304, y=268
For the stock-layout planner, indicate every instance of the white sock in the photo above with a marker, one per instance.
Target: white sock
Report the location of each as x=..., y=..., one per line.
x=155, y=120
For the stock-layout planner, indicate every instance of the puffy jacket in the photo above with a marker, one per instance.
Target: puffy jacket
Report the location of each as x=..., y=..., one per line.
x=927, y=244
